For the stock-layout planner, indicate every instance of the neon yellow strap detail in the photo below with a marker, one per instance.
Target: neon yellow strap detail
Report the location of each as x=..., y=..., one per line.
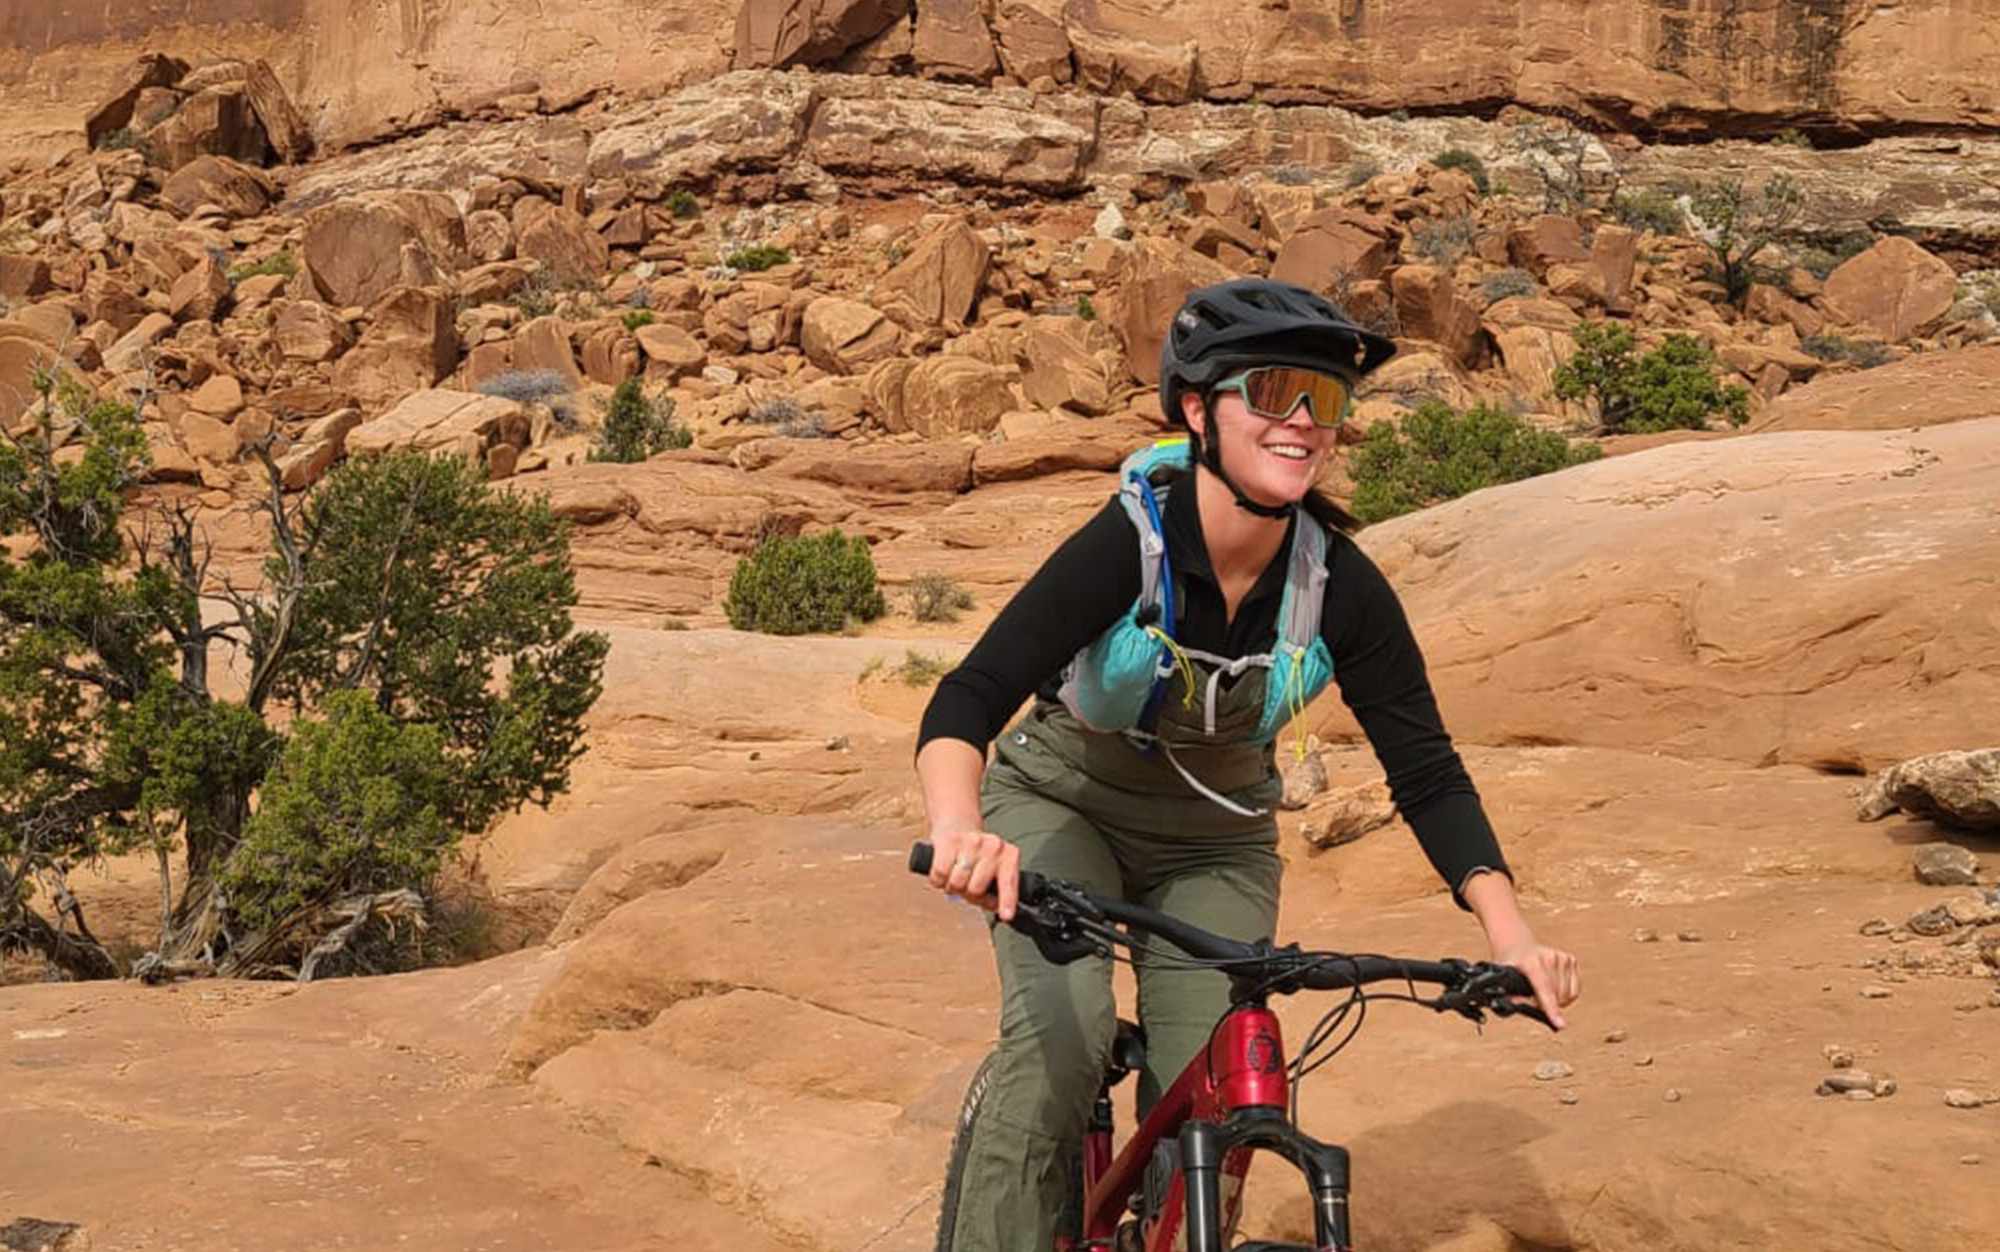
x=1295, y=699
x=1186, y=666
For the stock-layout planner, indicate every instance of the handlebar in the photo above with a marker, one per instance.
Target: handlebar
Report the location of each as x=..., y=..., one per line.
x=1068, y=921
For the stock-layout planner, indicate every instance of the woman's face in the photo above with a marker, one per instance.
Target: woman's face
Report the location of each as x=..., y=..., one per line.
x=1272, y=462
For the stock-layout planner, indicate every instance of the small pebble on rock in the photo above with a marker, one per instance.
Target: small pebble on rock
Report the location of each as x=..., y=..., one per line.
x=1960, y=1098
x=1841, y=1081
x=1643, y=935
x=1970, y=1158
x=1689, y=936
x=1885, y=1086
x=1549, y=1071
x=1875, y=991
x=1860, y=1095
x=1644, y=1061
x=1876, y=926
x=1615, y=1036
x=1568, y=1096
x=1837, y=1056
x=1672, y=1095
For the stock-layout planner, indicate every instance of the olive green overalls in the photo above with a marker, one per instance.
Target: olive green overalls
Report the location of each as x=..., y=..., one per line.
x=1094, y=808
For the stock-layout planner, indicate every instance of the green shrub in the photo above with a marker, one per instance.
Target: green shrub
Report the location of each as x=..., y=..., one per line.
x=1793, y=137
x=937, y=598
x=1361, y=171
x=281, y=263
x=1469, y=162
x=1085, y=309
x=637, y=426
x=757, y=258
x=1673, y=387
x=1437, y=453
x=1506, y=284
x=635, y=318
x=681, y=203
x=355, y=804
x=126, y=139
x=1443, y=240
x=790, y=586
x=1654, y=211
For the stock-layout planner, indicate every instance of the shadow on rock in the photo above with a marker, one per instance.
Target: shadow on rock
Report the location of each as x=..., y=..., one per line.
x=1457, y=1179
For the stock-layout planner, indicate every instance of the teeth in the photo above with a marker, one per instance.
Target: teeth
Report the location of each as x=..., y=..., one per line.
x=1288, y=451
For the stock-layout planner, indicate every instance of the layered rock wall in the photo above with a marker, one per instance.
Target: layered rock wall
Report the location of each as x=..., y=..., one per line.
x=361, y=69
x=358, y=69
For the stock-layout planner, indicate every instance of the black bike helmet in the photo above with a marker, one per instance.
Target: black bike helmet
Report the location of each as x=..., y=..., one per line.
x=1258, y=321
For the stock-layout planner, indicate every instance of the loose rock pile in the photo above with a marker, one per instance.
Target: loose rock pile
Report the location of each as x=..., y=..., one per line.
x=892, y=308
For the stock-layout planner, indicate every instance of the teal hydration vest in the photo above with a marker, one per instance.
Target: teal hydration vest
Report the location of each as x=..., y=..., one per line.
x=1115, y=684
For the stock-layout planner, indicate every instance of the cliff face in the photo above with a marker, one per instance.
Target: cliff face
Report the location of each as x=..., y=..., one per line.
x=364, y=68
x=358, y=69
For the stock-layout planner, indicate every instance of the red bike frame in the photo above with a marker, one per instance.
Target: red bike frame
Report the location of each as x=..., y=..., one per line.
x=1229, y=1101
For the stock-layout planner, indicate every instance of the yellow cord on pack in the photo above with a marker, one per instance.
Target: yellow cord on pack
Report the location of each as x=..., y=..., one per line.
x=1181, y=661
x=1295, y=699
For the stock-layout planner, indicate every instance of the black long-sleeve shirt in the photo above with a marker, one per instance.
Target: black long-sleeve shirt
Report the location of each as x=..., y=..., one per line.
x=1093, y=579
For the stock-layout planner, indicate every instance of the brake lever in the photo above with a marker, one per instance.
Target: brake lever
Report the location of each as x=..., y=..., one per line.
x=1508, y=1006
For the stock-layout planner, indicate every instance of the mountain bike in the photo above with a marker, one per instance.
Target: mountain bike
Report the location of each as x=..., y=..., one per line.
x=1177, y=1184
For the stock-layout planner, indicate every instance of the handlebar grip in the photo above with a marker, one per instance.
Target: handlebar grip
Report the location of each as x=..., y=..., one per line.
x=923, y=856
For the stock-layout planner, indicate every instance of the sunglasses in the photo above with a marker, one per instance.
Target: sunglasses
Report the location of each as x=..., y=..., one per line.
x=1273, y=392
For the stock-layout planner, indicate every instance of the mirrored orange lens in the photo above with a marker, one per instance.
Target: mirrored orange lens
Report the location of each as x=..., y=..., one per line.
x=1273, y=392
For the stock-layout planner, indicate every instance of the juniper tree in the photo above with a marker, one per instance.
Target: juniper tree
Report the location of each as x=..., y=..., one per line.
x=405, y=585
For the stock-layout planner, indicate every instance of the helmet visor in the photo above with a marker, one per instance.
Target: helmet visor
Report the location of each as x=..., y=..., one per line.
x=1274, y=392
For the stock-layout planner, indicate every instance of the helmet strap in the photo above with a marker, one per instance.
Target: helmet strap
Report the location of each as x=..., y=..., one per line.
x=1211, y=456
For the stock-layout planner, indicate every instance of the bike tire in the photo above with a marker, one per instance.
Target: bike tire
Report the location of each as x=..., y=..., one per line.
x=1069, y=1219
x=961, y=1143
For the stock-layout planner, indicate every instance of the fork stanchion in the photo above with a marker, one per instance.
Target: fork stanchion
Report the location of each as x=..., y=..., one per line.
x=1201, y=1169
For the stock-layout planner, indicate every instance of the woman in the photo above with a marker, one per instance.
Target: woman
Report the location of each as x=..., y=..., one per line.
x=1160, y=789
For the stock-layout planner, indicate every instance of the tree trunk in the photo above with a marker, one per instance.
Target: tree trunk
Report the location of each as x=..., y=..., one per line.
x=79, y=956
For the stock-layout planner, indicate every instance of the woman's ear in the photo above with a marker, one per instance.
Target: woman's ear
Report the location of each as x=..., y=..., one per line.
x=1194, y=413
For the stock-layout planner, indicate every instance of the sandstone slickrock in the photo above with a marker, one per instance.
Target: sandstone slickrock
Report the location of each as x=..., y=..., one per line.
x=1928, y=390
x=1708, y=623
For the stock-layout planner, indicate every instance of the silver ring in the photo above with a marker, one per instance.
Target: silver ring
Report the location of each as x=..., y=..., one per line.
x=963, y=862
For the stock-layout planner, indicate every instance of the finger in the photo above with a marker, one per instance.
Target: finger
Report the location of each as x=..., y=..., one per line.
x=944, y=850
x=979, y=880
x=1009, y=880
x=1545, y=992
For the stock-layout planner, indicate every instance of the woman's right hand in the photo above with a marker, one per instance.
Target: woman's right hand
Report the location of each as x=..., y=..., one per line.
x=979, y=865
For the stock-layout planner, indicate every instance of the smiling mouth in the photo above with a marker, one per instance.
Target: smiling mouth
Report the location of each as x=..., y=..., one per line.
x=1289, y=451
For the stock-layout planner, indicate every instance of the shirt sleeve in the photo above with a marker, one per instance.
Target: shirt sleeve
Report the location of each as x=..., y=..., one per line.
x=1072, y=599
x=1381, y=675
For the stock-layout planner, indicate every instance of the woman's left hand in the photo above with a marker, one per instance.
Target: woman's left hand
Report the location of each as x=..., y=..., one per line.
x=1552, y=973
